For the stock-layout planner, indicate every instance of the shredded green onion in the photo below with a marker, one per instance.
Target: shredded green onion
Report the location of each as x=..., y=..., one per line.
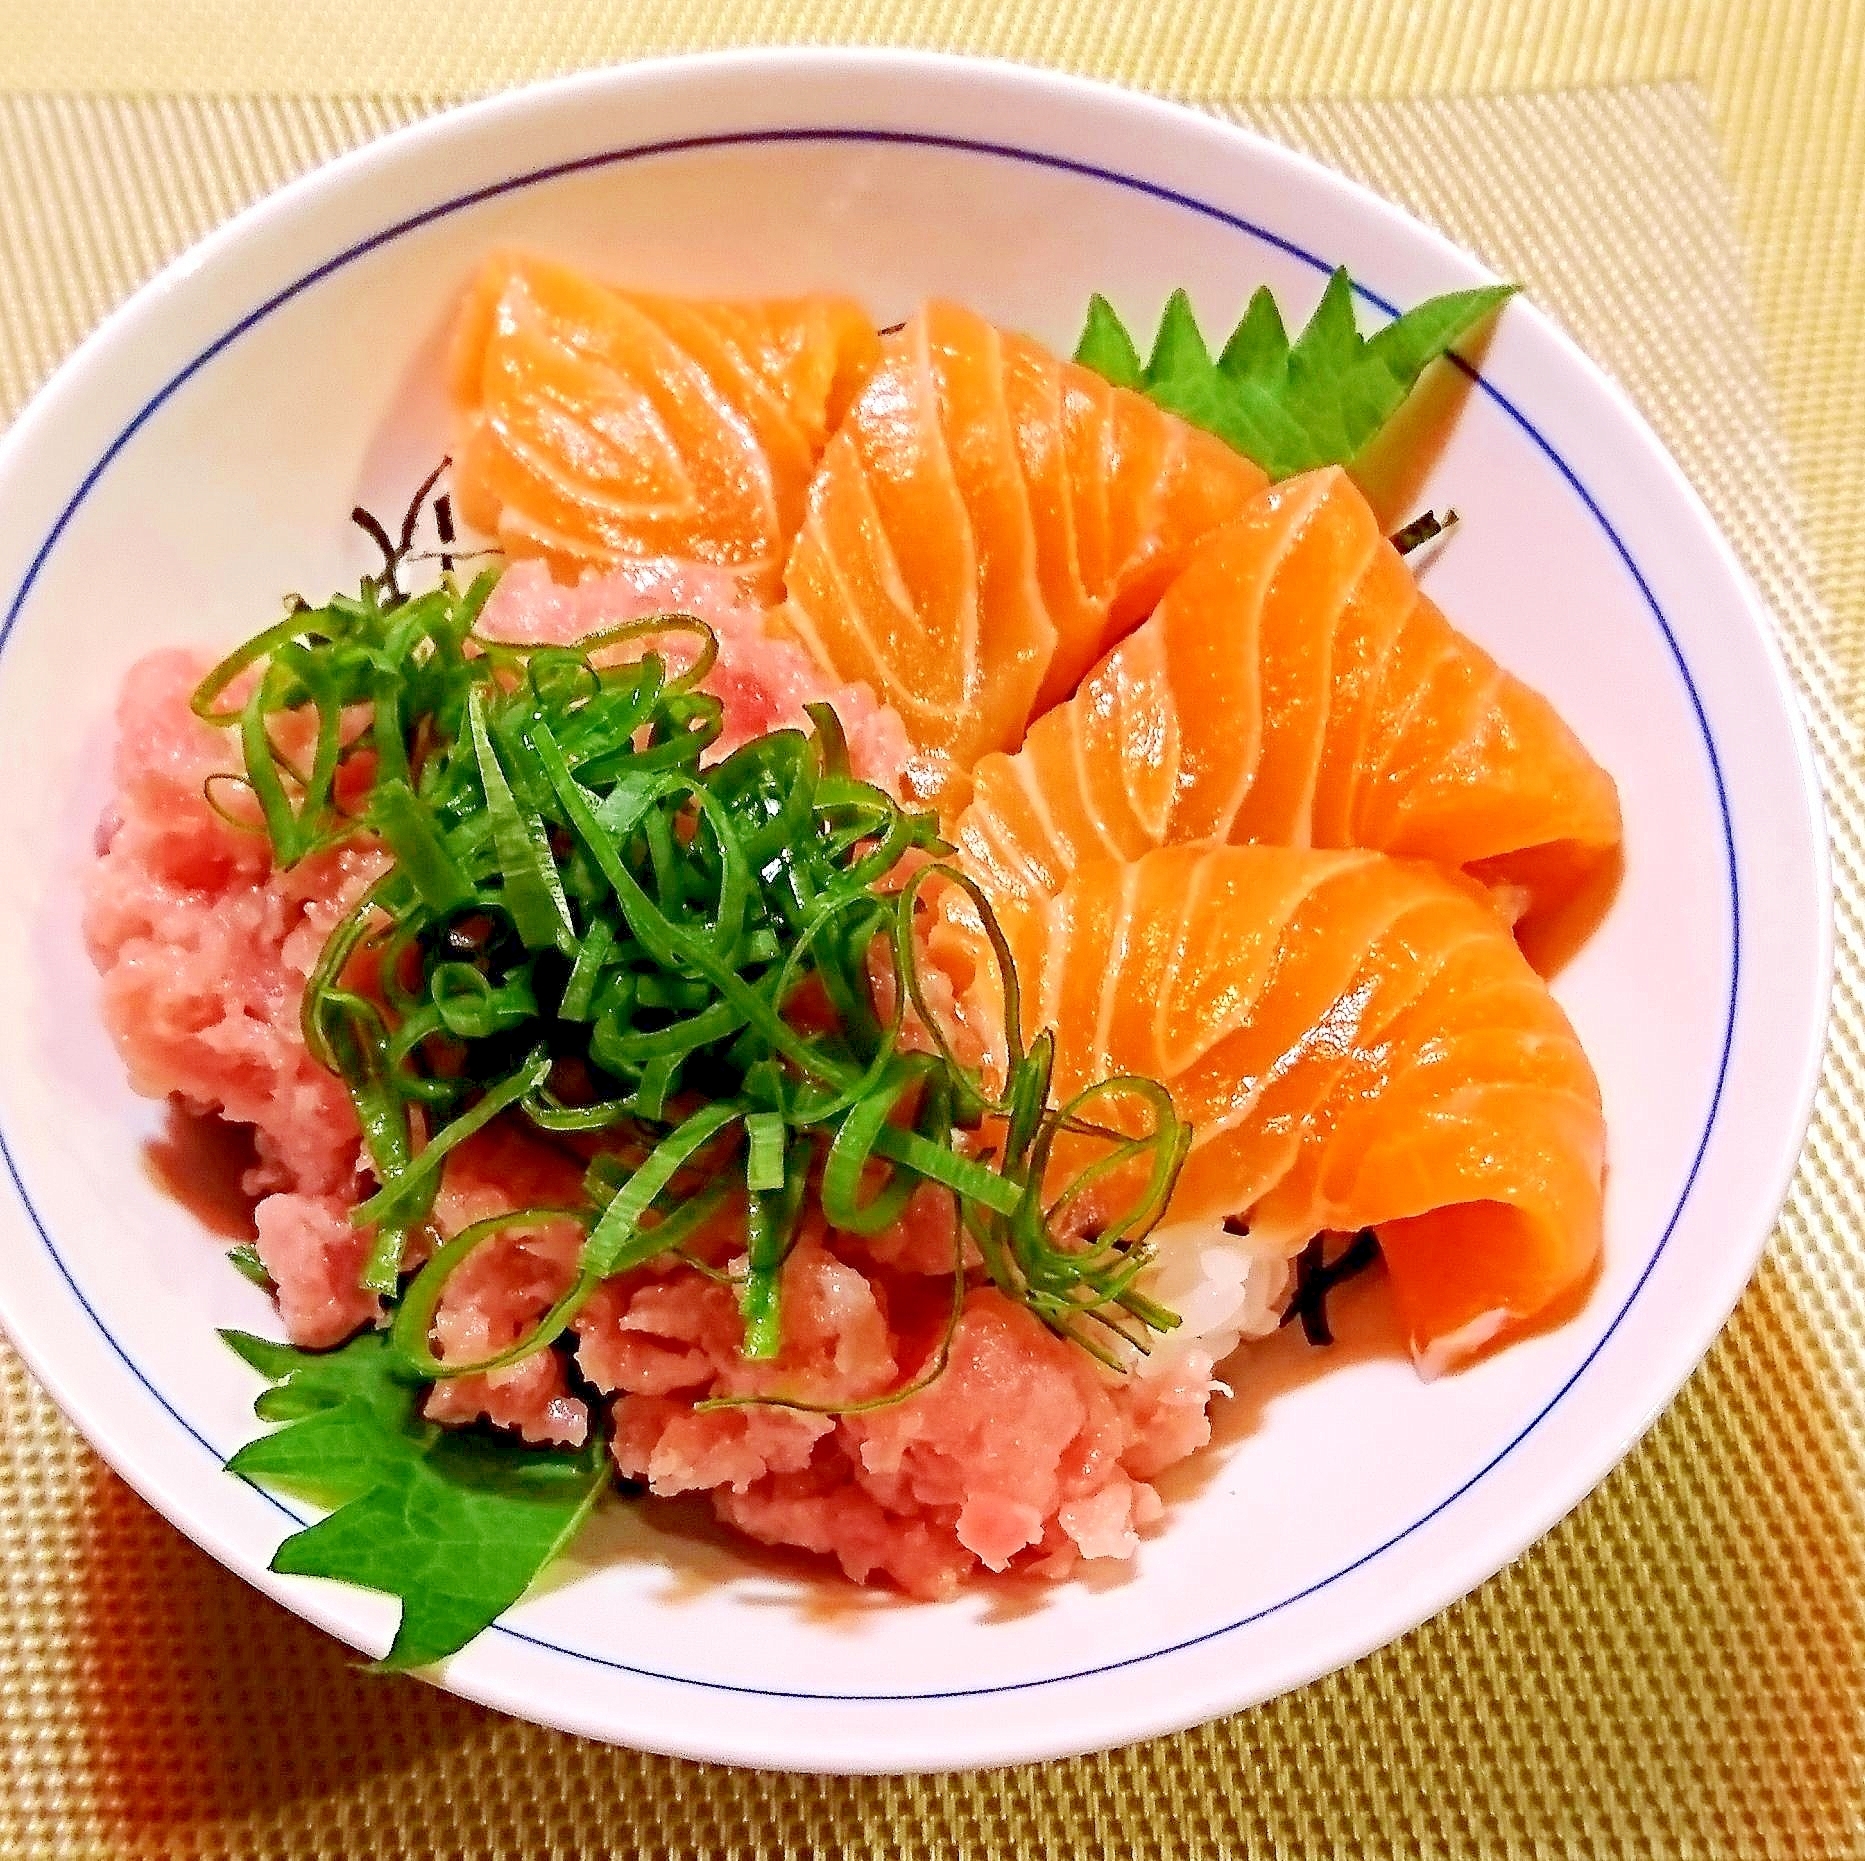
x=764, y=1162
x=246, y=1262
x=591, y=926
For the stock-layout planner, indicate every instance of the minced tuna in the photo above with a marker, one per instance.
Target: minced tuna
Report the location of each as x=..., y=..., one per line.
x=1022, y=1453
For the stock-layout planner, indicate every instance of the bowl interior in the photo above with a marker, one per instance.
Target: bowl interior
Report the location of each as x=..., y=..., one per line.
x=1344, y=1498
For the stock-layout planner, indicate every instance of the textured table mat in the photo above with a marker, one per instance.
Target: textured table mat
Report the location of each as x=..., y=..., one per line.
x=1678, y=1669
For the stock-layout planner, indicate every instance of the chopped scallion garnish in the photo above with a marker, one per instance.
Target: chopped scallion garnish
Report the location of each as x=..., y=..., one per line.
x=705, y=970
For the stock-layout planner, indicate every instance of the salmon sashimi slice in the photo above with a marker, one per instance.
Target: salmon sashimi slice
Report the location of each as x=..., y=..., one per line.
x=984, y=524
x=1294, y=686
x=1356, y=1041
x=598, y=427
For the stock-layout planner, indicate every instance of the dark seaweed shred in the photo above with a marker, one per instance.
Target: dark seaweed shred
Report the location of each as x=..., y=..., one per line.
x=443, y=528
x=371, y=525
x=1421, y=530
x=1316, y=1276
x=398, y=550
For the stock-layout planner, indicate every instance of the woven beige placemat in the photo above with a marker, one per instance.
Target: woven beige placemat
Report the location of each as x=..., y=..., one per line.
x=1679, y=1669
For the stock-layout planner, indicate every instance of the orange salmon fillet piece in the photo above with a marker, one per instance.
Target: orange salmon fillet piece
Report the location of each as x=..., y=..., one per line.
x=599, y=426
x=1357, y=1042
x=1294, y=686
x=986, y=522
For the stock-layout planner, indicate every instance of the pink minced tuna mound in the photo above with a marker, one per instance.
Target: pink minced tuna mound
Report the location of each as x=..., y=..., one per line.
x=762, y=683
x=204, y=950
x=1021, y=1454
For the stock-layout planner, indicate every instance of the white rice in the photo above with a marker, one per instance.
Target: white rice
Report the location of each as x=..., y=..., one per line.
x=1225, y=1288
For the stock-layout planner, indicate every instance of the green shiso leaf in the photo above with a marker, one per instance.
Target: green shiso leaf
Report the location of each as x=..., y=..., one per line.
x=455, y=1525
x=1106, y=347
x=1292, y=407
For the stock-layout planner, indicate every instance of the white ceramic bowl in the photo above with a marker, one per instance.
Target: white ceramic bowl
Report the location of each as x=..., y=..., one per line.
x=197, y=457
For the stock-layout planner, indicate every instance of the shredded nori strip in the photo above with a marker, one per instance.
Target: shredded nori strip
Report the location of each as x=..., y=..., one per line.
x=396, y=552
x=443, y=528
x=1316, y=1276
x=371, y=525
x=1421, y=530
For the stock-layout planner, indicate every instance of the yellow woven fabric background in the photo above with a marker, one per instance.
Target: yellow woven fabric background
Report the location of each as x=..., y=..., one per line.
x=1679, y=1669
